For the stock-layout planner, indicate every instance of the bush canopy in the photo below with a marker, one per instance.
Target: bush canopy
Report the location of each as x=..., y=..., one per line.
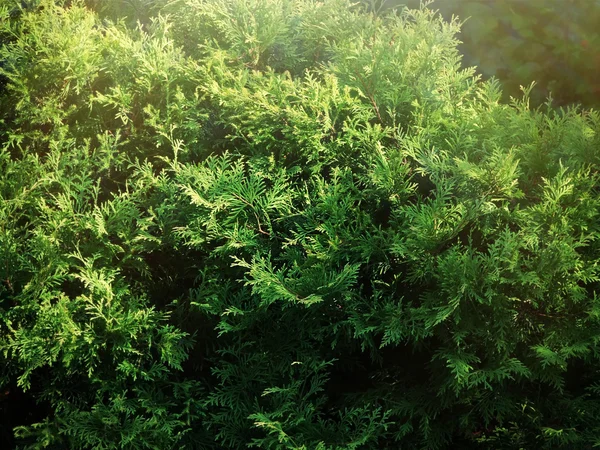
x=286, y=224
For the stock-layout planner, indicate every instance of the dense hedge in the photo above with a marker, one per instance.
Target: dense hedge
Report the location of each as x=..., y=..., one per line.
x=287, y=224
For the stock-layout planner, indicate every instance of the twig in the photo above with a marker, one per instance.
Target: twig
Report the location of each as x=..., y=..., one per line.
x=243, y=200
x=370, y=96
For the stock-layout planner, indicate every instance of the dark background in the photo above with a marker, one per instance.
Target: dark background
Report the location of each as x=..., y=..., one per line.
x=552, y=42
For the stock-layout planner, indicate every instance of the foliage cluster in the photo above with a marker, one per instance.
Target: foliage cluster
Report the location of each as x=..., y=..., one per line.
x=287, y=224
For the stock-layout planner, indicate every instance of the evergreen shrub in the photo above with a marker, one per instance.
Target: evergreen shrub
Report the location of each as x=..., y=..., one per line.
x=287, y=224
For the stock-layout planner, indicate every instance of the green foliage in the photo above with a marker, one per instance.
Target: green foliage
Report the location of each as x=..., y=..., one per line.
x=287, y=224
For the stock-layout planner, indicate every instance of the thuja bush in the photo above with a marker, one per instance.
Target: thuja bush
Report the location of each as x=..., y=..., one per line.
x=287, y=224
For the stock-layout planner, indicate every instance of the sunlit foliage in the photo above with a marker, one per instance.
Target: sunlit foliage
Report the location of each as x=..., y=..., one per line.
x=286, y=224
